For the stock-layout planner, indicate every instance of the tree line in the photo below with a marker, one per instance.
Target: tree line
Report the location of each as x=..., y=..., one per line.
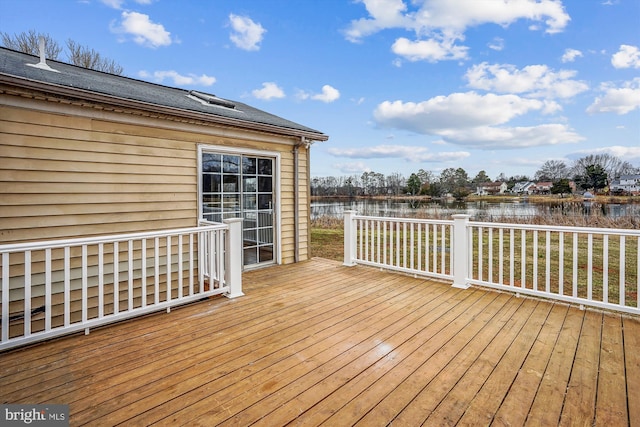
x=589, y=173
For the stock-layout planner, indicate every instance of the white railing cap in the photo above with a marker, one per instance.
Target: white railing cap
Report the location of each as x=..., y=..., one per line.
x=54, y=244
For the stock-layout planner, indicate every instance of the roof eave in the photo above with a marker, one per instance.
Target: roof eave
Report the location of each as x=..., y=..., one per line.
x=155, y=108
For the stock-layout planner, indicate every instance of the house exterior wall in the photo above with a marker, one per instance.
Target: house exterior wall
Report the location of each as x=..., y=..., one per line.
x=71, y=169
x=627, y=183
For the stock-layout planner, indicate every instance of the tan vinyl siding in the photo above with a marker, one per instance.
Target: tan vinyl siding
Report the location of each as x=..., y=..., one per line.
x=71, y=175
x=70, y=171
x=60, y=179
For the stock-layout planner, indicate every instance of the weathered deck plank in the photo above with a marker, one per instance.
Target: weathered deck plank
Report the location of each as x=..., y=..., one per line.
x=580, y=399
x=547, y=406
x=631, y=330
x=613, y=410
x=318, y=343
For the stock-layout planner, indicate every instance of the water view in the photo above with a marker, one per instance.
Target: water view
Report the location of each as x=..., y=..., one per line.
x=479, y=210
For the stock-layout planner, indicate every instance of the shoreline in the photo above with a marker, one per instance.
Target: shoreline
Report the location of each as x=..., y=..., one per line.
x=601, y=199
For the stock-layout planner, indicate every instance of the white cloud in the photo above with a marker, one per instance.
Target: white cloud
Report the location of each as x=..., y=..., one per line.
x=116, y=4
x=246, y=34
x=471, y=119
x=385, y=14
x=496, y=44
x=570, y=55
x=179, y=79
x=501, y=164
x=489, y=137
x=619, y=100
x=619, y=151
x=458, y=110
x=461, y=14
x=408, y=153
x=144, y=31
x=534, y=80
x=329, y=94
x=269, y=90
x=454, y=15
x=627, y=57
x=439, y=24
x=352, y=167
x=430, y=50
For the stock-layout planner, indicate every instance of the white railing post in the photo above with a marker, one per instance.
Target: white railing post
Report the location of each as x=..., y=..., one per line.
x=349, y=238
x=233, y=258
x=460, y=251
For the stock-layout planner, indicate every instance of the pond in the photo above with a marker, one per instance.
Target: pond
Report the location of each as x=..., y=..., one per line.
x=479, y=210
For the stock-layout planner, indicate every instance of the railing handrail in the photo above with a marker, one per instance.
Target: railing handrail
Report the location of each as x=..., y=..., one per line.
x=506, y=225
x=115, y=277
x=565, y=228
x=486, y=254
x=407, y=220
x=61, y=243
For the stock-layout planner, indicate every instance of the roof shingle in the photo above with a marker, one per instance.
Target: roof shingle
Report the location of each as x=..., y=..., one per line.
x=13, y=63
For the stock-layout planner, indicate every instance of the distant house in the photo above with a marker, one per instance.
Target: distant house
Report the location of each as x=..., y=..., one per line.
x=543, y=187
x=497, y=187
x=524, y=187
x=87, y=153
x=573, y=186
x=626, y=184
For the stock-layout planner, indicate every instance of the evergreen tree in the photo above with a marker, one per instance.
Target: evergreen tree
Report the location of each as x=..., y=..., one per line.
x=561, y=187
x=414, y=184
x=594, y=177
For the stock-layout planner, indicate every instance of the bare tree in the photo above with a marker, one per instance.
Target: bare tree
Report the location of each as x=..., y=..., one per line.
x=82, y=56
x=395, y=181
x=552, y=170
x=28, y=42
x=425, y=176
x=612, y=165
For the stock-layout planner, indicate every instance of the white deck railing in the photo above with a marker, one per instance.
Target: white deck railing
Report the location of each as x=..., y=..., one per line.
x=585, y=266
x=58, y=287
x=409, y=245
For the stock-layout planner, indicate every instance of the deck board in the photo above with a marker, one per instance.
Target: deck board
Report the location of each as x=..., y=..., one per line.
x=547, y=406
x=631, y=329
x=613, y=411
x=579, y=406
x=319, y=343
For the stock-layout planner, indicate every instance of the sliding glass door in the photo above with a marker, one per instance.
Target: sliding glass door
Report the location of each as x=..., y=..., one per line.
x=242, y=186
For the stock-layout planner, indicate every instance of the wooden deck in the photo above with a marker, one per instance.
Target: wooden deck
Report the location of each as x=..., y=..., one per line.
x=319, y=343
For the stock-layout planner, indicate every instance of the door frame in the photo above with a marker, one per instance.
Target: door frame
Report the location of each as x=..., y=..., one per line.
x=237, y=151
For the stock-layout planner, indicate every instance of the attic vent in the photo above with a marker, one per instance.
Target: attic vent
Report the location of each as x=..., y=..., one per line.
x=43, y=60
x=212, y=99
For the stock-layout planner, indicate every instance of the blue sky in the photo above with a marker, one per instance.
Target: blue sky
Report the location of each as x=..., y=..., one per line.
x=494, y=85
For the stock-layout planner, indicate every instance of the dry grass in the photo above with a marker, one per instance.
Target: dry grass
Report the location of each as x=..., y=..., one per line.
x=328, y=242
x=569, y=216
x=327, y=233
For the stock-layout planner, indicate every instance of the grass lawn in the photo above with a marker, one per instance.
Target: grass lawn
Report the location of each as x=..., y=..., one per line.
x=327, y=243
